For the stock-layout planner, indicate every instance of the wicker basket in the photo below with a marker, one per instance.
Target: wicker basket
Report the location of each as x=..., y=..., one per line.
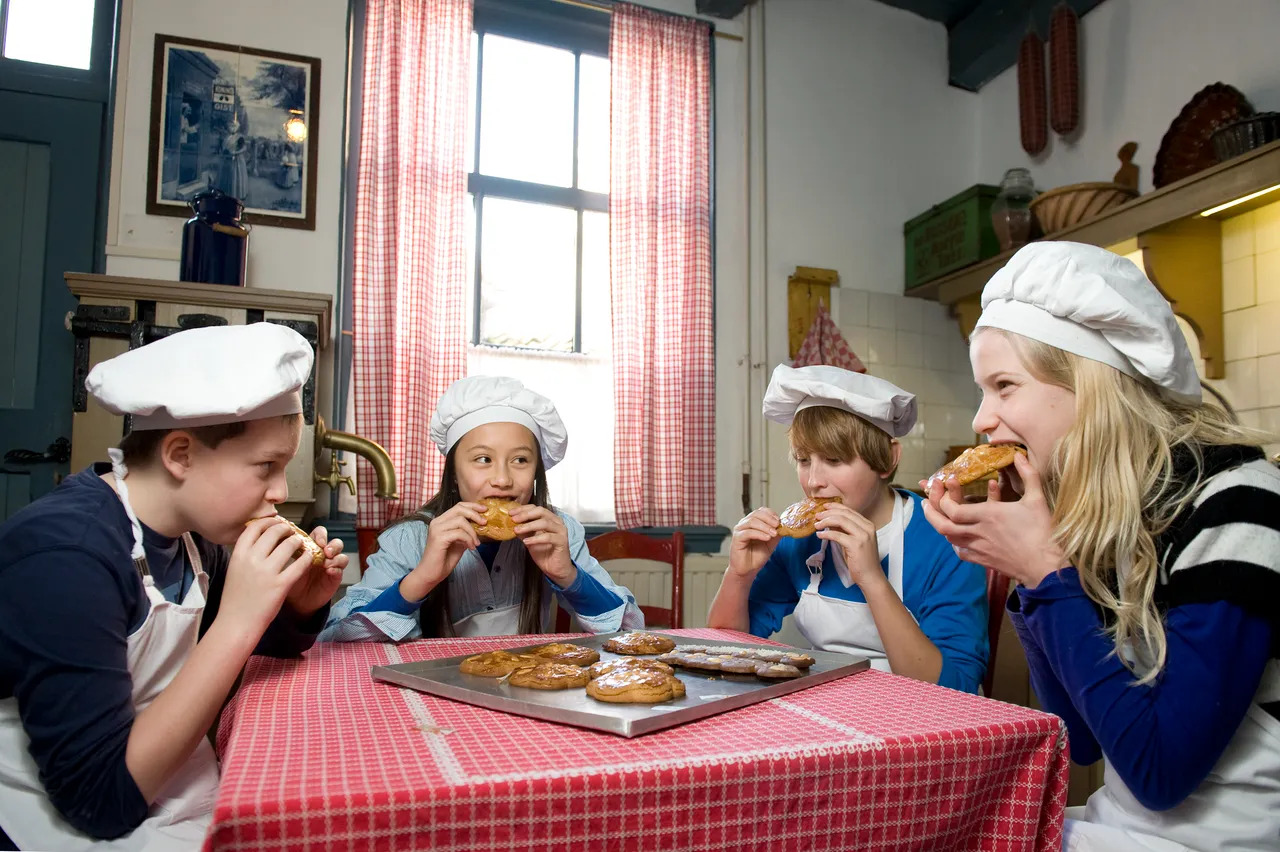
x=1071, y=204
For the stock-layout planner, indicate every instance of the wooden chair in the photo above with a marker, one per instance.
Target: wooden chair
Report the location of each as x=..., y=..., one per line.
x=997, y=596
x=622, y=544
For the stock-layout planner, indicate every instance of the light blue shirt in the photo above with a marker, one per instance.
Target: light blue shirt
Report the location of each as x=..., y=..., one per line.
x=472, y=588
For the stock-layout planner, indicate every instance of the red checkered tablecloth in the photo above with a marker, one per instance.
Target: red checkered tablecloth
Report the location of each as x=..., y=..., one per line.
x=316, y=755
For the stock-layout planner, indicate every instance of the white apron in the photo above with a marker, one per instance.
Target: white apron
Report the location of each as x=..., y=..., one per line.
x=479, y=585
x=847, y=627
x=180, y=814
x=1236, y=808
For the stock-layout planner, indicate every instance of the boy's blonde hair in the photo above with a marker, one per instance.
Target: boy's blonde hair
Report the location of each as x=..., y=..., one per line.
x=838, y=434
x=1112, y=488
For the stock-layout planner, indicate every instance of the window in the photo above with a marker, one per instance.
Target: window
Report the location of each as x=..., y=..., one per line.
x=538, y=226
x=48, y=32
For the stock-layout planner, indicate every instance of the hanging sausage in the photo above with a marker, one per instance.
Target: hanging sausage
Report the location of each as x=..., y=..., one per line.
x=1031, y=95
x=1064, y=69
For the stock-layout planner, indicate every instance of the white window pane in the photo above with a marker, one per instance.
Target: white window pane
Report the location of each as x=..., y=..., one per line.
x=52, y=32
x=528, y=268
x=593, y=124
x=597, y=309
x=471, y=103
x=526, y=112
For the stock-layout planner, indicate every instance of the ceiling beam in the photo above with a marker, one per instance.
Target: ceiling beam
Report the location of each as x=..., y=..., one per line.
x=985, y=42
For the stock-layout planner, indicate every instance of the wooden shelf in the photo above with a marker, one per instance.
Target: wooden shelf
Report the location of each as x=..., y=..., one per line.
x=221, y=295
x=1238, y=177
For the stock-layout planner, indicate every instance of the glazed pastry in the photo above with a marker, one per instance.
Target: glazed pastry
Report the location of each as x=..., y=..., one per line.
x=549, y=676
x=498, y=525
x=496, y=663
x=980, y=462
x=777, y=671
x=628, y=664
x=705, y=662
x=305, y=543
x=635, y=686
x=639, y=643
x=564, y=652
x=800, y=519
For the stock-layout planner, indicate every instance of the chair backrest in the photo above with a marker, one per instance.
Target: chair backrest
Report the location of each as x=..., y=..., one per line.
x=997, y=597
x=623, y=544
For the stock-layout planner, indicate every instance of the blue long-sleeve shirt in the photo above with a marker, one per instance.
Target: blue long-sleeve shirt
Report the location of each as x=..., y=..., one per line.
x=947, y=596
x=1218, y=590
x=486, y=579
x=69, y=599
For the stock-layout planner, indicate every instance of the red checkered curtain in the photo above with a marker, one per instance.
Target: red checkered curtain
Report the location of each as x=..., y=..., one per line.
x=660, y=269
x=409, y=274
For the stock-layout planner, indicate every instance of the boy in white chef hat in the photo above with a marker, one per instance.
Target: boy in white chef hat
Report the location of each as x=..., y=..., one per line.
x=434, y=576
x=1145, y=546
x=875, y=580
x=123, y=620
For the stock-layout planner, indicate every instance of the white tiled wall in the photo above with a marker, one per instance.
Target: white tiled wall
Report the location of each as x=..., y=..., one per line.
x=917, y=346
x=1251, y=319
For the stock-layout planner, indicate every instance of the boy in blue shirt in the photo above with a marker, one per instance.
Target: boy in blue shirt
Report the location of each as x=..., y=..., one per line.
x=875, y=580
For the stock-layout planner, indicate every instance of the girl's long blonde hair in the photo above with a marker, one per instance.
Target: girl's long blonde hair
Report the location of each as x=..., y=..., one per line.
x=1112, y=487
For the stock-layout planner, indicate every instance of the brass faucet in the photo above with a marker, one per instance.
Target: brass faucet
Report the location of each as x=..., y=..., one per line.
x=371, y=450
x=335, y=477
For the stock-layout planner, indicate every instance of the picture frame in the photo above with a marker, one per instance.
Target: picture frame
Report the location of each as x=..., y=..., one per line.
x=240, y=119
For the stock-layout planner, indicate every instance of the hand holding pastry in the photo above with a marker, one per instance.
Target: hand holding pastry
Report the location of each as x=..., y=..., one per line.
x=449, y=535
x=754, y=539
x=547, y=538
x=856, y=536
x=800, y=520
x=316, y=587
x=1014, y=538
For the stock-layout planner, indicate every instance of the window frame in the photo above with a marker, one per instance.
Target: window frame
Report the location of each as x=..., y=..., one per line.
x=553, y=24
x=92, y=83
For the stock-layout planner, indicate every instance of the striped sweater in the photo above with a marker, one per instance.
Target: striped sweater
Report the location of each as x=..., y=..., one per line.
x=1218, y=593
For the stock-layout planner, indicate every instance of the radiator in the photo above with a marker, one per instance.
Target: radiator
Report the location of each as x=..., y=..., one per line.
x=650, y=582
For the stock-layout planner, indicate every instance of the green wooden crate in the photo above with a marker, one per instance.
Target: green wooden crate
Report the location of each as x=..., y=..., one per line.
x=950, y=235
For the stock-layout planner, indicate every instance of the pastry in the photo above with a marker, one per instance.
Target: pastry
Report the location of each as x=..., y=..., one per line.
x=496, y=663
x=639, y=643
x=635, y=686
x=628, y=664
x=549, y=676
x=777, y=671
x=564, y=652
x=976, y=463
x=740, y=665
x=800, y=519
x=705, y=662
x=305, y=543
x=800, y=661
x=497, y=525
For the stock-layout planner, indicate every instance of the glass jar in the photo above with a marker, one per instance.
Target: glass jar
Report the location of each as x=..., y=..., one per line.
x=1011, y=209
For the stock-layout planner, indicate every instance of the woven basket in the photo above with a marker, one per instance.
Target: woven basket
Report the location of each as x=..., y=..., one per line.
x=1074, y=203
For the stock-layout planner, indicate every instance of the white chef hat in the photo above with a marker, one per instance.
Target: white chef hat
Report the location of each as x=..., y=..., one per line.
x=1097, y=304
x=477, y=400
x=206, y=376
x=882, y=404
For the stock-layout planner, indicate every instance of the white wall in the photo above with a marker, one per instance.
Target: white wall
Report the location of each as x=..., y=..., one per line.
x=861, y=133
x=1141, y=61
x=279, y=258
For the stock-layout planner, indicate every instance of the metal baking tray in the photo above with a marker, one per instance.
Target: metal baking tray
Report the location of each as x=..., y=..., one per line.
x=707, y=693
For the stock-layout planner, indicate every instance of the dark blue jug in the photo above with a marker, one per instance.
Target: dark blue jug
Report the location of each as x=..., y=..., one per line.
x=214, y=243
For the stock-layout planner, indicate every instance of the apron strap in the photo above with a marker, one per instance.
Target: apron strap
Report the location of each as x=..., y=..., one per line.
x=119, y=470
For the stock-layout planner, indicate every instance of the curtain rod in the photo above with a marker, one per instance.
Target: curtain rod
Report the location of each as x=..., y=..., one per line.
x=607, y=8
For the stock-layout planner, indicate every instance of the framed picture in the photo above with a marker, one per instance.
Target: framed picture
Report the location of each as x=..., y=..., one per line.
x=236, y=118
